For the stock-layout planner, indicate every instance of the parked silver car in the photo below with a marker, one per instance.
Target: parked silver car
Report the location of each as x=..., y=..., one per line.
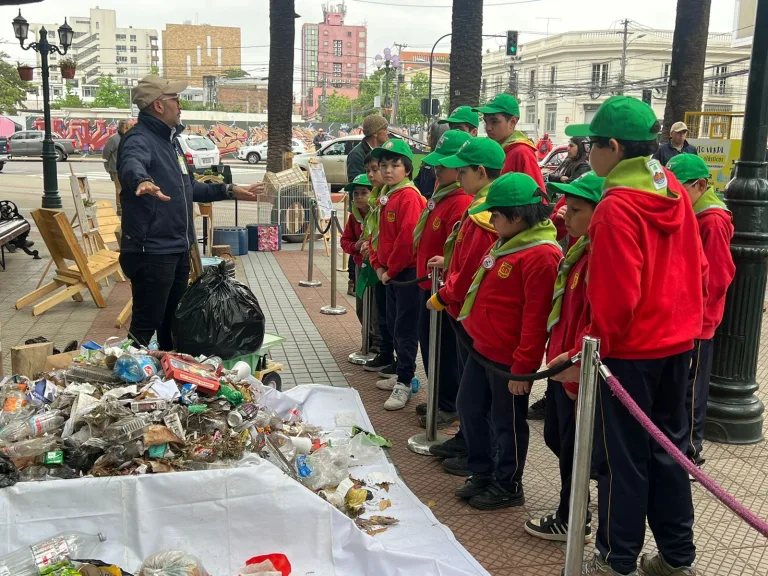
x=30, y=143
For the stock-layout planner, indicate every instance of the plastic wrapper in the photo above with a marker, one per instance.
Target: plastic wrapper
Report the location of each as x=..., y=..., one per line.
x=218, y=316
x=325, y=468
x=29, y=448
x=172, y=563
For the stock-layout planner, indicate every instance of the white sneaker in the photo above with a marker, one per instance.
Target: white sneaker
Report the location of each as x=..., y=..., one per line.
x=387, y=383
x=401, y=393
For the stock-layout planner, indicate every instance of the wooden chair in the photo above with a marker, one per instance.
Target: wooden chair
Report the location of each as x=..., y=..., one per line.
x=84, y=274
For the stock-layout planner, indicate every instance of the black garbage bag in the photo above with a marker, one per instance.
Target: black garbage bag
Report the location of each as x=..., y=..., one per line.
x=218, y=316
x=9, y=475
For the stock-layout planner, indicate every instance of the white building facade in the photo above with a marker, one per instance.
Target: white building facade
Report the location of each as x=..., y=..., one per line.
x=563, y=79
x=100, y=48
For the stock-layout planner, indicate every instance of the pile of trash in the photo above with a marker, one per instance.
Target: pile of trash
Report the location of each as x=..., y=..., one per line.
x=118, y=410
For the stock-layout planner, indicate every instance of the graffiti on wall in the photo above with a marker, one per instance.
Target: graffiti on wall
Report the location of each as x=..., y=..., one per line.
x=90, y=135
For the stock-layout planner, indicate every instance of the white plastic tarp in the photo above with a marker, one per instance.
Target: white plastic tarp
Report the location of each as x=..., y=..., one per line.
x=228, y=516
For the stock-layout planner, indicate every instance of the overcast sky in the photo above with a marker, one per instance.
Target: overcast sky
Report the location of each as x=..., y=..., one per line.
x=417, y=23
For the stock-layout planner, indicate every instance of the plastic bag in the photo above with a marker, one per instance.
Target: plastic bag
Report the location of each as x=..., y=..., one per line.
x=218, y=316
x=9, y=475
x=172, y=563
x=325, y=468
x=363, y=451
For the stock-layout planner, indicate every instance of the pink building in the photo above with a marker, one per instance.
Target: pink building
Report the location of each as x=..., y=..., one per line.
x=333, y=58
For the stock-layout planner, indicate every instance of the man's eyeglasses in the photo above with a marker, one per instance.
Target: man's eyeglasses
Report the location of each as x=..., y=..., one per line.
x=172, y=98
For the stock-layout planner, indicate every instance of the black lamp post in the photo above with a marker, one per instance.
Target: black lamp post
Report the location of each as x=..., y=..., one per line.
x=51, y=196
x=734, y=413
x=389, y=62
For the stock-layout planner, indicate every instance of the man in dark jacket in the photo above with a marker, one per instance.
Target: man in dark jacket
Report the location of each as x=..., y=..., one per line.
x=677, y=144
x=157, y=194
x=374, y=135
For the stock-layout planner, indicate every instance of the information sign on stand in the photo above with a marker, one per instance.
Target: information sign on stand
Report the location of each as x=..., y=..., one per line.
x=322, y=189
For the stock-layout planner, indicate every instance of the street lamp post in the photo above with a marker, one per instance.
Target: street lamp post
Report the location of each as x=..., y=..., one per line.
x=388, y=62
x=51, y=196
x=734, y=413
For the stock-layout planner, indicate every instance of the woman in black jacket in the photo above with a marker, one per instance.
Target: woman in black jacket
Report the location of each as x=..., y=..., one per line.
x=576, y=164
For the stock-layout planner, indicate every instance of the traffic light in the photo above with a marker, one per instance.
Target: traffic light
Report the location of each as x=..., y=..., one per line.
x=425, y=111
x=647, y=94
x=512, y=43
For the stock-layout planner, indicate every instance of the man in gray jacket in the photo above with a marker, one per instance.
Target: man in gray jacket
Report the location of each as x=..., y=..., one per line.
x=109, y=154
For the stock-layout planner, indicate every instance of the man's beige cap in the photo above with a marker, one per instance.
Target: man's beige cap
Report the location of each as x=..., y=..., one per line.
x=150, y=88
x=679, y=127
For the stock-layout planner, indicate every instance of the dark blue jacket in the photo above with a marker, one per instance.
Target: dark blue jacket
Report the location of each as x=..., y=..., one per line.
x=666, y=152
x=151, y=151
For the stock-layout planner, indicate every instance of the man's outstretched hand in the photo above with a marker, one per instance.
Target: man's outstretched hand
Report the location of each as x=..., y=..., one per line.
x=152, y=189
x=248, y=194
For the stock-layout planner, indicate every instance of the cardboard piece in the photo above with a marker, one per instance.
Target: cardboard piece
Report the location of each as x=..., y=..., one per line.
x=29, y=359
x=59, y=361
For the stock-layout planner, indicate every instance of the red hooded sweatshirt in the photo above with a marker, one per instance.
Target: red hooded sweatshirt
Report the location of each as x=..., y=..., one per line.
x=508, y=321
x=439, y=224
x=521, y=157
x=716, y=232
x=397, y=219
x=647, y=274
x=352, y=232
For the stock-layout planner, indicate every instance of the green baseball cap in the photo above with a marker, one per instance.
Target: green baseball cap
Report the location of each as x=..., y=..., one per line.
x=360, y=180
x=511, y=189
x=462, y=115
x=687, y=167
x=588, y=186
x=620, y=117
x=395, y=146
x=476, y=152
x=501, y=103
x=448, y=145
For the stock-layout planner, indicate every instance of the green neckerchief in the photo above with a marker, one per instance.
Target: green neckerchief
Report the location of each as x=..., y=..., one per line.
x=385, y=192
x=709, y=201
x=543, y=233
x=438, y=195
x=450, y=242
x=518, y=136
x=636, y=174
x=356, y=213
x=372, y=218
x=566, y=265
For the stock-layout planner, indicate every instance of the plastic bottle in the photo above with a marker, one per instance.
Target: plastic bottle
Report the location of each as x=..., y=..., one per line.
x=28, y=448
x=43, y=557
x=126, y=430
x=415, y=385
x=37, y=425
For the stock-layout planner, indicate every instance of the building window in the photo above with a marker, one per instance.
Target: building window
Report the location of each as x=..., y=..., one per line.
x=119, y=37
x=349, y=34
x=337, y=47
x=349, y=44
x=199, y=55
x=122, y=58
x=361, y=54
x=552, y=75
x=57, y=91
x=325, y=32
x=189, y=65
x=362, y=35
x=325, y=42
x=97, y=25
x=133, y=49
x=121, y=48
x=337, y=68
x=218, y=56
x=600, y=74
x=208, y=40
x=718, y=87
x=134, y=60
x=589, y=112
x=133, y=37
x=530, y=115
x=361, y=44
x=361, y=65
x=88, y=92
x=134, y=71
x=550, y=117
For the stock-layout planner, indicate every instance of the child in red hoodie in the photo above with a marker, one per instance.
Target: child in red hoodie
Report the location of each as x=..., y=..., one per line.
x=444, y=209
x=716, y=231
x=501, y=116
x=567, y=320
x=352, y=240
x=393, y=259
x=505, y=313
x=646, y=290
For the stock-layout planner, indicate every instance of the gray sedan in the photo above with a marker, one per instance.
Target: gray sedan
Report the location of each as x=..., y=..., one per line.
x=30, y=143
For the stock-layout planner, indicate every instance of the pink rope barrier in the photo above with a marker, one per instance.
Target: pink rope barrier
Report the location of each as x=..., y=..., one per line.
x=737, y=507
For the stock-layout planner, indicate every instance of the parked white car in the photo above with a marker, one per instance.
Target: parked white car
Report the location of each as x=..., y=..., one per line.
x=258, y=152
x=200, y=152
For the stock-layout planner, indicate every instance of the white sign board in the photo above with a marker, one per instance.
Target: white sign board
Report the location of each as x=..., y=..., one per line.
x=134, y=111
x=322, y=189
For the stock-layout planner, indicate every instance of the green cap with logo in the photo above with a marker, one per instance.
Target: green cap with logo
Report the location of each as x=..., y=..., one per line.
x=510, y=190
x=622, y=118
x=448, y=145
x=687, y=167
x=360, y=180
x=588, y=186
x=501, y=103
x=476, y=152
x=395, y=146
x=462, y=115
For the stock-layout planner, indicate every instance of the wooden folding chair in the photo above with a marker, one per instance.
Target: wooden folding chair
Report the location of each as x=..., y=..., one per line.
x=84, y=274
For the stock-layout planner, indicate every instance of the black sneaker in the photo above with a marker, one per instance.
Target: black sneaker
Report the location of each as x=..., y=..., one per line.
x=450, y=448
x=421, y=409
x=498, y=496
x=553, y=529
x=389, y=370
x=457, y=466
x=444, y=419
x=474, y=485
x=376, y=364
x=538, y=409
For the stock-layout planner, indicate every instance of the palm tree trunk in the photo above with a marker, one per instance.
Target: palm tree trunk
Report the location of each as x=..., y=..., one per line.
x=689, y=51
x=466, y=53
x=282, y=30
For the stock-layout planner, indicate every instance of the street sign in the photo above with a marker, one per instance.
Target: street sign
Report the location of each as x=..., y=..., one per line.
x=134, y=111
x=321, y=187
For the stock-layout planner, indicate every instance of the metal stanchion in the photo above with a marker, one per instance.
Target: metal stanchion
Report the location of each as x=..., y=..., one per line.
x=582, y=457
x=420, y=443
x=347, y=209
x=360, y=358
x=333, y=309
x=309, y=283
